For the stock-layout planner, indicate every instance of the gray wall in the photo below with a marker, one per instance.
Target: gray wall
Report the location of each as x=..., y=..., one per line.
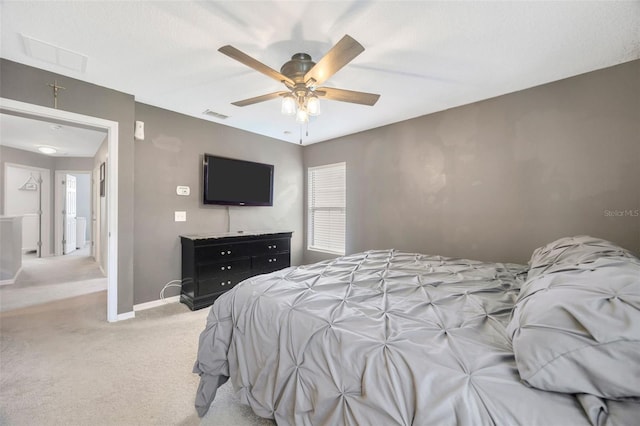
x=495, y=179
x=171, y=155
x=100, y=208
x=27, y=84
x=73, y=163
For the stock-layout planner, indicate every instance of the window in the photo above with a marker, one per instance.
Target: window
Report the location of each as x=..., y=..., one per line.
x=326, y=214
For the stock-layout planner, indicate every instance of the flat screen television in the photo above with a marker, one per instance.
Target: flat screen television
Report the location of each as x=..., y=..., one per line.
x=234, y=182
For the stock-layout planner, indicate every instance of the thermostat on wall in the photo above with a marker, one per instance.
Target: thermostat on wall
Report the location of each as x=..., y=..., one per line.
x=183, y=190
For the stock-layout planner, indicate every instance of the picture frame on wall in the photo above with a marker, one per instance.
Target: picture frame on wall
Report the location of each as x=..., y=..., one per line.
x=102, y=179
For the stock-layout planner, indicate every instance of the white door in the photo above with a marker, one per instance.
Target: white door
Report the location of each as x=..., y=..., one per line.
x=69, y=242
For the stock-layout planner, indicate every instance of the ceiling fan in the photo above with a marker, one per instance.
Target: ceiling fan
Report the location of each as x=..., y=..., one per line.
x=303, y=78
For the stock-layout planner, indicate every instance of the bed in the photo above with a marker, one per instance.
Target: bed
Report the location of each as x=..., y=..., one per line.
x=386, y=337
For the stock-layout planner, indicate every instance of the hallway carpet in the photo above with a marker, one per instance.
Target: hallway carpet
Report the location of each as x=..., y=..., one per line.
x=77, y=266
x=52, y=278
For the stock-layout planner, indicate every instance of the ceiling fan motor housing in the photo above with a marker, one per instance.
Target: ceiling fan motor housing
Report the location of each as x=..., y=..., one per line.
x=297, y=67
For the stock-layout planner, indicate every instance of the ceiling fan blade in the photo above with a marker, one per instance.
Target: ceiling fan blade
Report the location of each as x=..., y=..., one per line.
x=257, y=99
x=347, y=96
x=340, y=55
x=239, y=56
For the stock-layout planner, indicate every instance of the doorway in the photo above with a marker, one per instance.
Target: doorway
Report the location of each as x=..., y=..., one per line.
x=45, y=274
x=73, y=211
x=110, y=242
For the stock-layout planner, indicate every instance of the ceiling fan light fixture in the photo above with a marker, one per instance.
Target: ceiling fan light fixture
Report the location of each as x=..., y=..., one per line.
x=302, y=116
x=313, y=105
x=288, y=105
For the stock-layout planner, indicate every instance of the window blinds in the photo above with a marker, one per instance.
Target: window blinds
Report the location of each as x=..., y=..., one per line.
x=326, y=208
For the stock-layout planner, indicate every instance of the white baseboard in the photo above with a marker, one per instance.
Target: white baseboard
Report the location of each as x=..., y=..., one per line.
x=156, y=303
x=147, y=305
x=126, y=316
x=11, y=280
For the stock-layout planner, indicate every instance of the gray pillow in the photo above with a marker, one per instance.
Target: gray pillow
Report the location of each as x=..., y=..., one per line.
x=576, y=324
x=570, y=251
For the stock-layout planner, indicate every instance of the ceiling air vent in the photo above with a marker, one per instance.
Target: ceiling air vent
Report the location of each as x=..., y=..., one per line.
x=47, y=52
x=215, y=114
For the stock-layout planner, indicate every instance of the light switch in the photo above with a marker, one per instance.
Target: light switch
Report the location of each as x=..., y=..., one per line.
x=183, y=190
x=180, y=216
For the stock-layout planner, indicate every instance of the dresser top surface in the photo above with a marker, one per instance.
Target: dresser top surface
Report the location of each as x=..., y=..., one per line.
x=220, y=235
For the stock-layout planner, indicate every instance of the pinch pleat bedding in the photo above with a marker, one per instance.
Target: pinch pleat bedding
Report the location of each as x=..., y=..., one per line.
x=380, y=337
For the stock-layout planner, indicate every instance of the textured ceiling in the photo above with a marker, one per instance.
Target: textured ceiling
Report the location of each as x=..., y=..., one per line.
x=420, y=56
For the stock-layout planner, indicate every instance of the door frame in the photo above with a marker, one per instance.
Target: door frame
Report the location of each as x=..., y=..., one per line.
x=111, y=127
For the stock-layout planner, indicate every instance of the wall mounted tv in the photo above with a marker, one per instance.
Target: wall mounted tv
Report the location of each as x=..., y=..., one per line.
x=233, y=182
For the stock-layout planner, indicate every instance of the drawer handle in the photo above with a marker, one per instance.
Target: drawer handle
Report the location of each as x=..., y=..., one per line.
x=223, y=283
x=222, y=253
x=272, y=260
x=228, y=251
x=222, y=269
x=229, y=267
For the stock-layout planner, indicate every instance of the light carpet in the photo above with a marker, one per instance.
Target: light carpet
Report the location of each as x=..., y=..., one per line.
x=76, y=266
x=52, y=278
x=61, y=363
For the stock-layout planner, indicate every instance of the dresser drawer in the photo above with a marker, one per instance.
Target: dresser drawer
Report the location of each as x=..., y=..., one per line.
x=270, y=263
x=223, y=268
x=222, y=282
x=222, y=251
x=280, y=245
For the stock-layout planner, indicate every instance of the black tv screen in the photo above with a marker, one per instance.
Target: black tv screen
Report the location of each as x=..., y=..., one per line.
x=235, y=182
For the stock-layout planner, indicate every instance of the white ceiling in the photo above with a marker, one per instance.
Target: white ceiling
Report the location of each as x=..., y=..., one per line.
x=420, y=56
x=28, y=134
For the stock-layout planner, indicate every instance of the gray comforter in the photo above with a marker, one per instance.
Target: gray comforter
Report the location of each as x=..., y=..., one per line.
x=379, y=338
